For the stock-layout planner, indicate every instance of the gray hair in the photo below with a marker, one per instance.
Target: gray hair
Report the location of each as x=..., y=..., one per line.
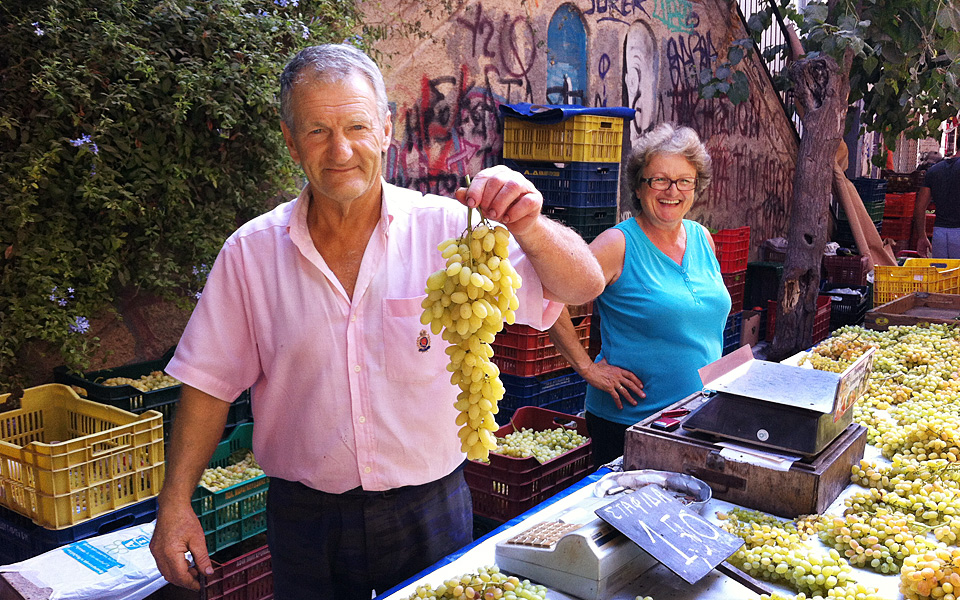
x=667, y=138
x=330, y=62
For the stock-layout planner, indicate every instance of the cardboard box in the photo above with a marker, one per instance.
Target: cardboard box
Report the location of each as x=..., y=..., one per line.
x=914, y=309
x=750, y=328
x=808, y=487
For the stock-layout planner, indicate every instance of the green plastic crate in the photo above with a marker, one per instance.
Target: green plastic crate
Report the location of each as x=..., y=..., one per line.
x=239, y=511
x=588, y=221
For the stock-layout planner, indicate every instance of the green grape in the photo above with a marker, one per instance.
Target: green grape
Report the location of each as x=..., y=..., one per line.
x=488, y=583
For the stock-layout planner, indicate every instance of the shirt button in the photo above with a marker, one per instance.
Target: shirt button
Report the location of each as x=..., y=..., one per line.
x=366, y=469
x=353, y=318
x=363, y=419
x=357, y=368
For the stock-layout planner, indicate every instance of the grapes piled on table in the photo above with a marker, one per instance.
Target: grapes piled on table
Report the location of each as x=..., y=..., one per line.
x=906, y=517
x=155, y=380
x=469, y=300
x=488, y=583
x=543, y=445
x=242, y=467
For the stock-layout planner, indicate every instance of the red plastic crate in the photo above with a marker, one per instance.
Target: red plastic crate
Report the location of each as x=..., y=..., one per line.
x=898, y=229
x=899, y=206
x=821, y=320
x=522, y=350
x=928, y=225
x=733, y=248
x=851, y=270
x=736, y=284
x=506, y=486
x=247, y=577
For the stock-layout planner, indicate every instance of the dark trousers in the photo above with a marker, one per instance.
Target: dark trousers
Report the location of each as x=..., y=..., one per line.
x=344, y=546
x=606, y=439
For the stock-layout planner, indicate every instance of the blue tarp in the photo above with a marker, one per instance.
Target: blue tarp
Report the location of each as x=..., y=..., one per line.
x=548, y=114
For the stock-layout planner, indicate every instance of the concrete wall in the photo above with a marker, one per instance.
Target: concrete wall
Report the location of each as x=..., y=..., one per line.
x=639, y=53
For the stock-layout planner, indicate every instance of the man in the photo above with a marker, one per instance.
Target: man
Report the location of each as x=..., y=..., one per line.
x=941, y=185
x=316, y=305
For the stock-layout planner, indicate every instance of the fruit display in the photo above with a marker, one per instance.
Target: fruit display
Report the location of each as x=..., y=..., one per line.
x=905, y=516
x=145, y=383
x=488, y=583
x=242, y=467
x=468, y=301
x=543, y=445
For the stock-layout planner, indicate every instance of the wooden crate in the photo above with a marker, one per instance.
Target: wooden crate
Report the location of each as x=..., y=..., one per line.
x=914, y=309
x=808, y=487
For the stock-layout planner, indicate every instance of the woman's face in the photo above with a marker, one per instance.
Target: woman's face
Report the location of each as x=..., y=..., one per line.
x=666, y=208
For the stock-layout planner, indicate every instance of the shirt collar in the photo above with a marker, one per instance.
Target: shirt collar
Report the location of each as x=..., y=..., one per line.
x=300, y=232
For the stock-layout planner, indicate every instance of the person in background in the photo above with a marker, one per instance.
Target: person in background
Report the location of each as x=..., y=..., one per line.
x=941, y=186
x=664, y=307
x=316, y=306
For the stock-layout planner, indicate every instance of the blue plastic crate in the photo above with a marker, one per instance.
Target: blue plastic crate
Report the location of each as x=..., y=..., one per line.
x=534, y=391
x=570, y=406
x=870, y=190
x=574, y=184
x=731, y=332
x=21, y=538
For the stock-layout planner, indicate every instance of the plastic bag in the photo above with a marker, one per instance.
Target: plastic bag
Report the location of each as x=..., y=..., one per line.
x=113, y=566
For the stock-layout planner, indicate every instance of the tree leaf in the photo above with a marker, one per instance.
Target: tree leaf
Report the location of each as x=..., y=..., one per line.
x=704, y=76
x=735, y=55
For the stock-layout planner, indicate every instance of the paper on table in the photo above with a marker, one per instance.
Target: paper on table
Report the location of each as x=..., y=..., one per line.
x=753, y=456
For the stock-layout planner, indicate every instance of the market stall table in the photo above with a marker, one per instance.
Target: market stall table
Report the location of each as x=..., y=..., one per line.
x=658, y=581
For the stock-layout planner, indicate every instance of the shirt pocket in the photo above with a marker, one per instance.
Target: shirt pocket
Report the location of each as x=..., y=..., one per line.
x=412, y=353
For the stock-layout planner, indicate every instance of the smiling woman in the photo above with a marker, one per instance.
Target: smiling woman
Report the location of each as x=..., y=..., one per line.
x=664, y=307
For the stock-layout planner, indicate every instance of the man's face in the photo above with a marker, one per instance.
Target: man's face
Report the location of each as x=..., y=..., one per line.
x=338, y=138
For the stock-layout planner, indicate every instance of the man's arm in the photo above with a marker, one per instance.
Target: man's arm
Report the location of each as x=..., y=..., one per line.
x=918, y=238
x=567, y=269
x=197, y=428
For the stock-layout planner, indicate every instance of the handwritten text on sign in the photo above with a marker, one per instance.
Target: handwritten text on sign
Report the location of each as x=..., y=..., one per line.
x=660, y=524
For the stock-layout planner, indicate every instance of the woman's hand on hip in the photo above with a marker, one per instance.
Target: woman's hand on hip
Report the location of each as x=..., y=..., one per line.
x=619, y=383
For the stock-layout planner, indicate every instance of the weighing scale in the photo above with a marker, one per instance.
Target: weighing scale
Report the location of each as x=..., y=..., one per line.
x=578, y=554
x=775, y=405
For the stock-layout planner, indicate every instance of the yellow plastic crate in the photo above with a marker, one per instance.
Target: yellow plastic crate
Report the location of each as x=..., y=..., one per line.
x=64, y=460
x=939, y=275
x=583, y=138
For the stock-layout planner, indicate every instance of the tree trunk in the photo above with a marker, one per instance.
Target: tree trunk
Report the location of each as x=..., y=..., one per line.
x=821, y=89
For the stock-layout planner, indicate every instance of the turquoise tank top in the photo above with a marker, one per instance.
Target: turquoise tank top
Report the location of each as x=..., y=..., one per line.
x=661, y=320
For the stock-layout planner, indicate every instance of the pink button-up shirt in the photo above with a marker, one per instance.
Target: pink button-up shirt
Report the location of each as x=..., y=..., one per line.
x=346, y=392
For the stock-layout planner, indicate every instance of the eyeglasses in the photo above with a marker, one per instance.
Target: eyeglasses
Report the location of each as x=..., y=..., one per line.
x=684, y=184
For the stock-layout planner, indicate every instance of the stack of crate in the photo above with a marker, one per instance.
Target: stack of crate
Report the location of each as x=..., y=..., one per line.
x=576, y=166
x=574, y=163
x=73, y=469
x=733, y=248
x=533, y=371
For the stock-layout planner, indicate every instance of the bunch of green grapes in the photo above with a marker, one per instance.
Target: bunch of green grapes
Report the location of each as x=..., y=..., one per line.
x=242, y=467
x=935, y=574
x=145, y=383
x=775, y=551
x=488, y=583
x=543, y=445
x=469, y=300
x=880, y=541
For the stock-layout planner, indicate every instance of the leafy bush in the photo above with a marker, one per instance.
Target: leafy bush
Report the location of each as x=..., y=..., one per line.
x=135, y=135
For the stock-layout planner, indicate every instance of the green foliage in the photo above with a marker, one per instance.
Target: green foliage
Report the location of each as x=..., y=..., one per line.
x=906, y=57
x=135, y=135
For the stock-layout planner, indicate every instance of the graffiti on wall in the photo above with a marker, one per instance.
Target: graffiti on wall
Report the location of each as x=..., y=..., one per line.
x=446, y=126
x=450, y=129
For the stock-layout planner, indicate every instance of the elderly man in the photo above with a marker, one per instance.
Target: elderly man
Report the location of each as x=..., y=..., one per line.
x=316, y=305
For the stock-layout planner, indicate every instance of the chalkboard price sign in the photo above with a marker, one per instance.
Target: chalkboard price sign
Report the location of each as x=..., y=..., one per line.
x=682, y=540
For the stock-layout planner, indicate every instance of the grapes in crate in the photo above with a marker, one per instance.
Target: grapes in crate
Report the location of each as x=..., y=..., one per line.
x=543, y=445
x=155, y=380
x=468, y=301
x=242, y=466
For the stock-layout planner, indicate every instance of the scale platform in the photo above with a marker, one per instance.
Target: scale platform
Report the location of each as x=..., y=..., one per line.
x=777, y=406
x=578, y=554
